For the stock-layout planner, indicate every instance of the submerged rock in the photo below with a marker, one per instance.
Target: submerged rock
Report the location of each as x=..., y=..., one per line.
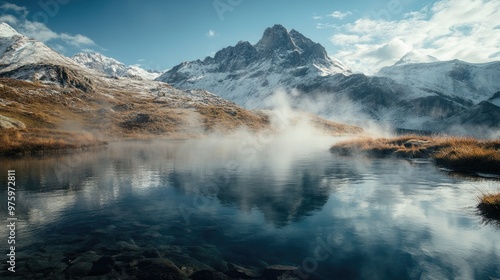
x=237, y=271
x=186, y=264
x=209, y=275
x=123, y=245
x=103, y=266
x=152, y=269
x=89, y=256
x=151, y=254
x=210, y=255
x=38, y=265
x=79, y=269
x=280, y=272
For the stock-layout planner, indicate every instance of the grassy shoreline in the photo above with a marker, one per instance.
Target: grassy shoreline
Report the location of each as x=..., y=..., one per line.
x=40, y=141
x=462, y=154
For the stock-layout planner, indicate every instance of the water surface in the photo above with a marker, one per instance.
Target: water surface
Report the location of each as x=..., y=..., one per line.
x=207, y=204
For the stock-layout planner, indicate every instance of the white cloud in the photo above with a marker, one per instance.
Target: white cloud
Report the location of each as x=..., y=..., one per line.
x=348, y=39
x=339, y=14
x=40, y=31
x=316, y=17
x=36, y=30
x=59, y=48
x=393, y=50
x=321, y=25
x=13, y=7
x=12, y=20
x=211, y=33
x=76, y=40
x=449, y=29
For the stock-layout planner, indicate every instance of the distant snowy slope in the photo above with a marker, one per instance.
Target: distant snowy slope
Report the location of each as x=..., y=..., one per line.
x=469, y=82
x=112, y=67
x=101, y=63
x=136, y=71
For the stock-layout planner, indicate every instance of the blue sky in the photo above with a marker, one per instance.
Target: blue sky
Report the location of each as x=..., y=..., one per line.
x=365, y=35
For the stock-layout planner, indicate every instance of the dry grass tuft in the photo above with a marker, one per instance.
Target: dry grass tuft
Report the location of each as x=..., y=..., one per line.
x=227, y=118
x=489, y=206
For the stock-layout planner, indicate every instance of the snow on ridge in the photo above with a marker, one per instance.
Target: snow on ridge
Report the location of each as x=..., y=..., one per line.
x=474, y=82
x=112, y=67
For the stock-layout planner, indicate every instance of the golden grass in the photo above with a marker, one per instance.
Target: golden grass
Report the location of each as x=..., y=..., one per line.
x=489, y=206
x=229, y=118
x=467, y=157
x=457, y=153
x=36, y=141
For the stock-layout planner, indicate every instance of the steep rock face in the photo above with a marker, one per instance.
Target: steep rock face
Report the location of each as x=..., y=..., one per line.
x=484, y=114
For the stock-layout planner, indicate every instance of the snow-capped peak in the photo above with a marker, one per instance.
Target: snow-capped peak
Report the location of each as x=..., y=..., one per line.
x=17, y=50
x=245, y=73
x=7, y=31
x=415, y=57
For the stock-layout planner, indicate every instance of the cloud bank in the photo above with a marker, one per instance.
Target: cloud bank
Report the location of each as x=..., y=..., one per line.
x=468, y=30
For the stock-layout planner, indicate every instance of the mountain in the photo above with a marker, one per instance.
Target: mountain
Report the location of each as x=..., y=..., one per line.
x=415, y=57
x=418, y=92
x=28, y=59
x=112, y=67
x=247, y=74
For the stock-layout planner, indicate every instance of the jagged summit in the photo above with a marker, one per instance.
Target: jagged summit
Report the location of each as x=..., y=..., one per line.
x=275, y=39
x=278, y=46
x=415, y=57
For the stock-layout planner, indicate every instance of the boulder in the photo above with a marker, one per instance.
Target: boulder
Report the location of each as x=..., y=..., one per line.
x=10, y=123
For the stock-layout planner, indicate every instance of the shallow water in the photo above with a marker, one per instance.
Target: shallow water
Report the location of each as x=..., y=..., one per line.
x=206, y=205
